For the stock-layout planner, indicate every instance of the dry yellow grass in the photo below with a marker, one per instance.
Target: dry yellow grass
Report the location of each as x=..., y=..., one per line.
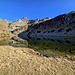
x=3, y=28
x=25, y=61
x=3, y=24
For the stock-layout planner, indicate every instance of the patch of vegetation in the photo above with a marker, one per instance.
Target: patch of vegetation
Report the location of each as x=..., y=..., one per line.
x=52, y=31
x=60, y=29
x=38, y=31
x=73, y=26
x=69, y=29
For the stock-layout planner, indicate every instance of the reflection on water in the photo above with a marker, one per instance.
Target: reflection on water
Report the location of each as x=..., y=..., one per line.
x=52, y=46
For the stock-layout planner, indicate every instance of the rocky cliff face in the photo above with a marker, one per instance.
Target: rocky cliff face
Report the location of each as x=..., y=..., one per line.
x=62, y=25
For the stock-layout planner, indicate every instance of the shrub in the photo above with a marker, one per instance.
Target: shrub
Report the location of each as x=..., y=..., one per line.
x=60, y=30
x=38, y=31
x=52, y=31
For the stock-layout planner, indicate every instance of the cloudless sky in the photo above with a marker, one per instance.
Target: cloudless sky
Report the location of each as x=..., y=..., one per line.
x=33, y=9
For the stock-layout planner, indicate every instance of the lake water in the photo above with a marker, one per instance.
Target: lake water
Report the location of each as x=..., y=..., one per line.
x=53, y=46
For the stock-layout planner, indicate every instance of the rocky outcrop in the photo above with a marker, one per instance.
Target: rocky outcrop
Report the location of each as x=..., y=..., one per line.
x=18, y=25
x=62, y=25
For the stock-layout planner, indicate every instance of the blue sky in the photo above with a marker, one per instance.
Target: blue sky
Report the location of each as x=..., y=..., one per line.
x=33, y=9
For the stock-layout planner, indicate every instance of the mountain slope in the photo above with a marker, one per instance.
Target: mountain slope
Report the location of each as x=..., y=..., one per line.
x=62, y=25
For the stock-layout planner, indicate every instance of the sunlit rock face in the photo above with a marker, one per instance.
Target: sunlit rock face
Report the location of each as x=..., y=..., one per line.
x=17, y=24
x=62, y=25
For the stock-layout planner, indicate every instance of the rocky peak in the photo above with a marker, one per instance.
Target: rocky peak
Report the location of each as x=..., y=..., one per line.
x=24, y=19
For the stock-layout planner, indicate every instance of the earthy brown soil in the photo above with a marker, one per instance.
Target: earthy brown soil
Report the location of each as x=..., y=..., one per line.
x=25, y=61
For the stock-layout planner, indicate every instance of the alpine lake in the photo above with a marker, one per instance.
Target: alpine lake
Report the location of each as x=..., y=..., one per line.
x=53, y=46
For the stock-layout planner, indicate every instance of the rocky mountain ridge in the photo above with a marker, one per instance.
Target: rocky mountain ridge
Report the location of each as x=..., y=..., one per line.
x=62, y=25
x=19, y=25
